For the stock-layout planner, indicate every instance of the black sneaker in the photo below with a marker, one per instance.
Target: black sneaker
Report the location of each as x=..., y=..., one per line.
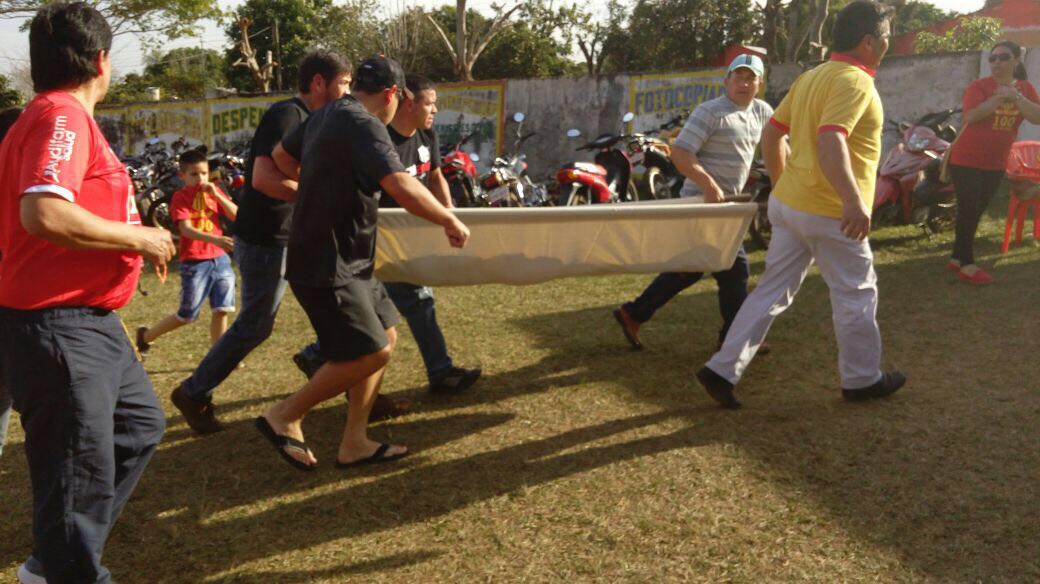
x=889, y=383
x=455, y=381
x=142, y=346
x=718, y=388
x=200, y=415
x=308, y=365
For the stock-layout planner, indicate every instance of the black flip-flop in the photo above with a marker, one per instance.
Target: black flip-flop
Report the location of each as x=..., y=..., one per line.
x=379, y=456
x=281, y=442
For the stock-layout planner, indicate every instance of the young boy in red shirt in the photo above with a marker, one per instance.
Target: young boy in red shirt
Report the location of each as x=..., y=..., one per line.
x=205, y=267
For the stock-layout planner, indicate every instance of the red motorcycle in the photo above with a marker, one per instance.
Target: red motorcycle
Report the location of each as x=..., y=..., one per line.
x=908, y=189
x=607, y=180
x=461, y=174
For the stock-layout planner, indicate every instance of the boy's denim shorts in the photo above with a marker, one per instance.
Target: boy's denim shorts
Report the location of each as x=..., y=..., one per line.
x=202, y=279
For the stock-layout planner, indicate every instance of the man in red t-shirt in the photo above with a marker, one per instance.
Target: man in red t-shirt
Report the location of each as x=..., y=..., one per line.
x=205, y=267
x=72, y=244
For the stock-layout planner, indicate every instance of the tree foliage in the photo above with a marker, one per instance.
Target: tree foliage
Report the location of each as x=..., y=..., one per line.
x=916, y=15
x=972, y=33
x=184, y=73
x=9, y=96
x=171, y=18
x=300, y=26
x=471, y=37
x=678, y=34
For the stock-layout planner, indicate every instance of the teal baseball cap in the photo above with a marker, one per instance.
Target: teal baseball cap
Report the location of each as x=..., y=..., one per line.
x=752, y=62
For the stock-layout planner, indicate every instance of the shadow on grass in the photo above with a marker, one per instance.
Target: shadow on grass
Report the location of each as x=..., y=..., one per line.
x=385, y=563
x=945, y=473
x=219, y=499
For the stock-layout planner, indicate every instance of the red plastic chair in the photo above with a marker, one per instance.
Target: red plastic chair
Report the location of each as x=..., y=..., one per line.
x=1023, y=170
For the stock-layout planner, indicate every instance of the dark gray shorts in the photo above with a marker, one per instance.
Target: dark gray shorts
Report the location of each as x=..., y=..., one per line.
x=350, y=320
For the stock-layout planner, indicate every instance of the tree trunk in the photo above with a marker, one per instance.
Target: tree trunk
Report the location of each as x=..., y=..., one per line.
x=816, y=48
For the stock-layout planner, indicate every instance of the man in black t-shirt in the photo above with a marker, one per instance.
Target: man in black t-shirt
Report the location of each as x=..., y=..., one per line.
x=411, y=132
x=346, y=161
x=261, y=235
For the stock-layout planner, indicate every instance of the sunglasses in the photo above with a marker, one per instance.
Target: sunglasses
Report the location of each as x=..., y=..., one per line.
x=1003, y=57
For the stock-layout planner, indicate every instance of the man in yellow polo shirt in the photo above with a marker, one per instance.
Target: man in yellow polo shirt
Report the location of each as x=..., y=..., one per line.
x=820, y=210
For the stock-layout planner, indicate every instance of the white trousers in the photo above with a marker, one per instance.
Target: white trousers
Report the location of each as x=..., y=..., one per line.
x=847, y=266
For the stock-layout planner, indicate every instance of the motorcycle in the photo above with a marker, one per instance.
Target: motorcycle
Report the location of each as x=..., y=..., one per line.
x=155, y=179
x=227, y=170
x=908, y=188
x=507, y=183
x=607, y=180
x=461, y=174
x=758, y=187
x=652, y=161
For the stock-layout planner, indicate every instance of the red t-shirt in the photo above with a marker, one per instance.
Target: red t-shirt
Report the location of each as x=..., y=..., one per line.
x=204, y=213
x=986, y=143
x=56, y=147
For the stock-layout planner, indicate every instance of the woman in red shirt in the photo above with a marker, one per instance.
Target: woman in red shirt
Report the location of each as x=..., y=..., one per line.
x=994, y=108
x=72, y=245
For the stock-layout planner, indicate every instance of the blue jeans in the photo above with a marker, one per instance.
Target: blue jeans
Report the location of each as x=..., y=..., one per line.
x=92, y=422
x=732, y=292
x=263, y=286
x=416, y=304
x=202, y=279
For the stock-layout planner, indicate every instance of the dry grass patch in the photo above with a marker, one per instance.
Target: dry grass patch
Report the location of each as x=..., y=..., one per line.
x=575, y=459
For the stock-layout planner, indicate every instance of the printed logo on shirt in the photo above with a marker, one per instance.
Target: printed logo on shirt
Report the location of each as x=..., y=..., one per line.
x=60, y=148
x=1006, y=117
x=424, y=153
x=201, y=216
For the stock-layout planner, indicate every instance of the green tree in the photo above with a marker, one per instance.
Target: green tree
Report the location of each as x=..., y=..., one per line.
x=131, y=88
x=171, y=18
x=916, y=15
x=9, y=96
x=300, y=24
x=471, y=35
x=678, y=34
x=184, y=73
x=352, y=31
x=972, y=33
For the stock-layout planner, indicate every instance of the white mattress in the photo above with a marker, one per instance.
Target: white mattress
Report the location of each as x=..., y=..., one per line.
x=531, y=245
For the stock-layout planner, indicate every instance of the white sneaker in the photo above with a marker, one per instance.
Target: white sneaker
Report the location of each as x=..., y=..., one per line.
x=27, y=577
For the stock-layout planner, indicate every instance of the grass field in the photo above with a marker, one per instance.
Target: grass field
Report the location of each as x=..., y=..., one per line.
x=576, y=459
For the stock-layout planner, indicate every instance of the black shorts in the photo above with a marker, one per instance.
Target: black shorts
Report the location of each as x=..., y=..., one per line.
x=350, y=320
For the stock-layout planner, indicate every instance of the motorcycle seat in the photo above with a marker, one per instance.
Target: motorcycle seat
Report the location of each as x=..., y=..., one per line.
x=586, y=167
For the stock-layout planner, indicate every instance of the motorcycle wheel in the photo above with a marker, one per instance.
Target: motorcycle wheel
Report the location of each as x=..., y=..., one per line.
x=941, y=218
x=761, y=230
x=657, y=184
x=159, y=216
x=577, y=196
x=460, y=196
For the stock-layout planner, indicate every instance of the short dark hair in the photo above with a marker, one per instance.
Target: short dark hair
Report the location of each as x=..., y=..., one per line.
x=857, y=20
x=1016, y=51
x=417, y=83
x=8, y=116
x=324, y=63
x=193, y=156
x=64, y=40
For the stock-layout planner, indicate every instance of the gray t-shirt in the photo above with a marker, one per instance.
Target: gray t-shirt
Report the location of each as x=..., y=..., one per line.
x=724, y=136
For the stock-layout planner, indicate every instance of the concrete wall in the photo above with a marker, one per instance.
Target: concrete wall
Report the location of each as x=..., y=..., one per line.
x=910, y=86
x=552, y=106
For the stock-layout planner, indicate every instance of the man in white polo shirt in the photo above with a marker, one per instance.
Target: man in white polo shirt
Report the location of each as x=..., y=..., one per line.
x=714, y=152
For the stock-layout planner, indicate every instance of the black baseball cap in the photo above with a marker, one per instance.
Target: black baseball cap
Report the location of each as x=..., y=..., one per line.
x=378, y=73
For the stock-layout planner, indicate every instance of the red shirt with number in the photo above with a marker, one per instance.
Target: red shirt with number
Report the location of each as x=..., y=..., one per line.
x=204, y=212
x=986, y=143
x=56, y=148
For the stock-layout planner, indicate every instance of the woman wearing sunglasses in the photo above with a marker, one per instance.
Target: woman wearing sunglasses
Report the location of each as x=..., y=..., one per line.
x=994, y=108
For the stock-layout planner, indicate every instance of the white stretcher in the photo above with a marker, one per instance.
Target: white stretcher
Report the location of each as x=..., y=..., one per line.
x=531, y=245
